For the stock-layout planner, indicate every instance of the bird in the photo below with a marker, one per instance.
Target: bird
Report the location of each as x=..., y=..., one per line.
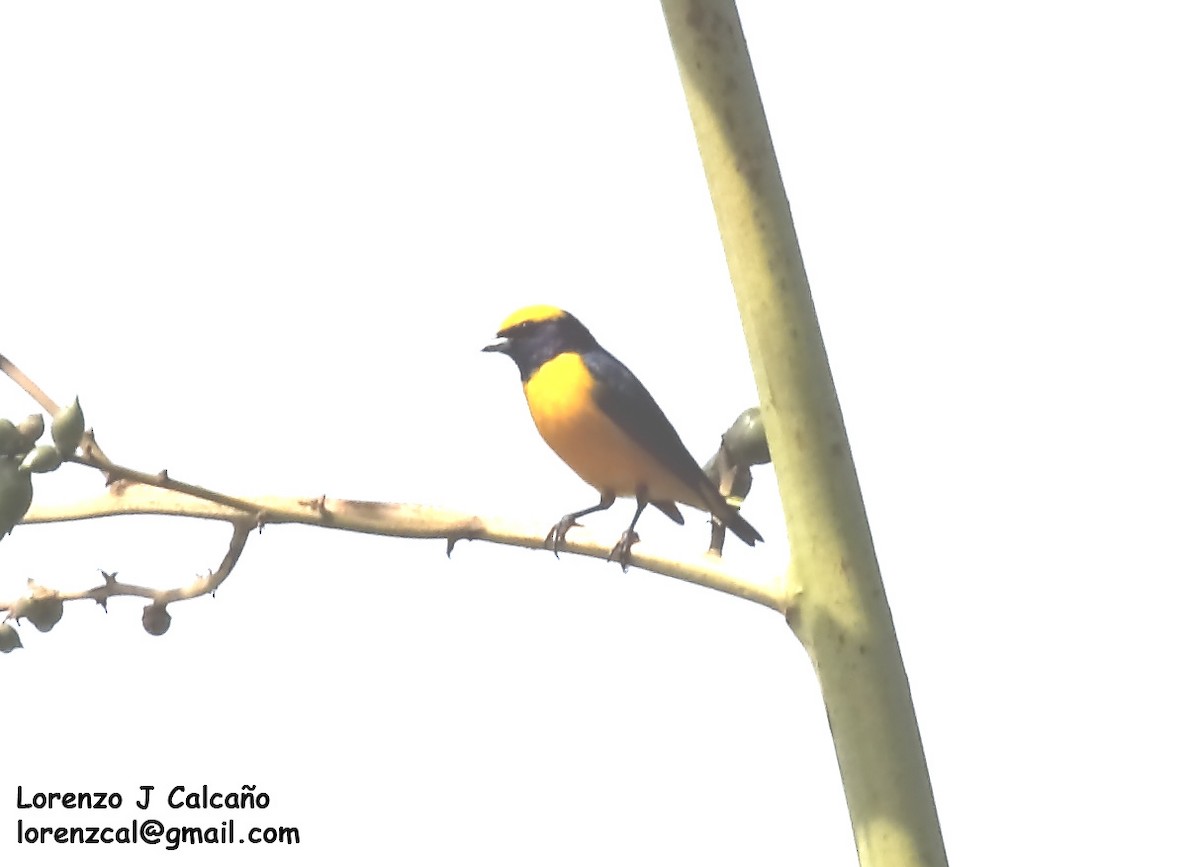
x=599, y=418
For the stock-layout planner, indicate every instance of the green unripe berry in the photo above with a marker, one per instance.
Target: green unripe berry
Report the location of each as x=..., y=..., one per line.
x=43, y=459
x=746, y=439
x=44, y=612
x=67, y=428
x=9, y=639
x=156, y=619
x=10, y=438
x=16, y=494
x=31, y=430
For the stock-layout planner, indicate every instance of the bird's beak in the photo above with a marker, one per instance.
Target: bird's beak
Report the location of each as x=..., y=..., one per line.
x=500, y=346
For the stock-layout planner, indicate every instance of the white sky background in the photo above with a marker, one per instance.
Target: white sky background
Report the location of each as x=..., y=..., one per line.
x=265, y=242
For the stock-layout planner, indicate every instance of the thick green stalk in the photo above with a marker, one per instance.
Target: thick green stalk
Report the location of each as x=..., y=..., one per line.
x=837, y=606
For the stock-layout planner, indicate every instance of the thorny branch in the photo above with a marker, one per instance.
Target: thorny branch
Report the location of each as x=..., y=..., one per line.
x=101, y=593
x=411, y=521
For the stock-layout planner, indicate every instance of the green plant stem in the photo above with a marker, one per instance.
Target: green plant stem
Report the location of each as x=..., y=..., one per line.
x=835, y=598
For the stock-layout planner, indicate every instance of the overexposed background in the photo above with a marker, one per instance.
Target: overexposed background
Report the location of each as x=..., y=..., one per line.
x=264, y=243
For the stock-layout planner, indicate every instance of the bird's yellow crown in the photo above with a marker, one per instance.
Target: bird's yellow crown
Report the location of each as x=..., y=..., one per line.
x=534, y=313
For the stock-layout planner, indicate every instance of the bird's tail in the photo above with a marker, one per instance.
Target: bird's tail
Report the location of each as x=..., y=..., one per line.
x=733, y=521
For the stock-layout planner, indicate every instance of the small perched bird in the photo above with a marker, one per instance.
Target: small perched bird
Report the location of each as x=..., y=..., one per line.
x=603, y=423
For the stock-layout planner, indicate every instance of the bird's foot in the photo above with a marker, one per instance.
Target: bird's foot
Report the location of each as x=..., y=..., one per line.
x=621, y=551
x=558, y=533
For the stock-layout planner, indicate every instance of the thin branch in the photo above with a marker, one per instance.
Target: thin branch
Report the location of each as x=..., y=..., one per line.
x=101, y=593
x=407, y=521
x=91, y=457
x=31, y=388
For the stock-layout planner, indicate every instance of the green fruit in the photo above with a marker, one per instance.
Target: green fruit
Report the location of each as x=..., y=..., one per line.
x=44, y=612
x=16, y=494
x=10, y=438
x=31, y=430
x=9, y=639
x=43, y=459
x=156, y=619
x=67, y=428
x=746, y=439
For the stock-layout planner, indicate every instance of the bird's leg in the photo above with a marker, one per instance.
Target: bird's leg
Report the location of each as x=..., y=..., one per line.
x=558, y=533
x=620, y=551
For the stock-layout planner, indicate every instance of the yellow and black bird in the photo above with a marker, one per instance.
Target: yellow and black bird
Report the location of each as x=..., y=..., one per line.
x=603, y=423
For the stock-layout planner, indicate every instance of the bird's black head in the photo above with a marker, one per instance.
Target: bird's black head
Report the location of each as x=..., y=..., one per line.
x=534, y=335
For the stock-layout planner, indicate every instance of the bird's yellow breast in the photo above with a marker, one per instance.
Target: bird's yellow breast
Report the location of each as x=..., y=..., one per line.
x=560, y=396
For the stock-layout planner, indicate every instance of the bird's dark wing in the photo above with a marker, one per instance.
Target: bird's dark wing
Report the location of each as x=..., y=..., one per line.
x=625, y=400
